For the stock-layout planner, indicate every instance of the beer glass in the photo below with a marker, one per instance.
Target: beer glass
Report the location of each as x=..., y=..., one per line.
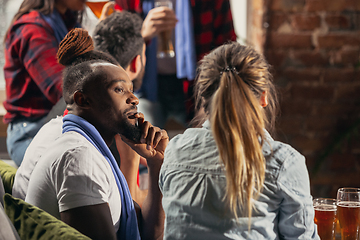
x=96, y=6
x=165, y=45
x=348, y=207
x=325, y=217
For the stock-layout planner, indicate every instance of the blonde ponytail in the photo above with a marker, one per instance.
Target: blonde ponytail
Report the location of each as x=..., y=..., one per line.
x=230, y=82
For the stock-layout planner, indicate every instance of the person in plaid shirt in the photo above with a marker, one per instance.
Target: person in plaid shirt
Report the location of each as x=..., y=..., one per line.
x=32, y=74
x=212, y=25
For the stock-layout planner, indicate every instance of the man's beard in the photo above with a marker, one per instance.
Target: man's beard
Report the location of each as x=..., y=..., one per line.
x=131, y=132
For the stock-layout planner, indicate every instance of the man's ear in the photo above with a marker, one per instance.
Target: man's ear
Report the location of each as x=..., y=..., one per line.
x=136, y=64
x=81, y=100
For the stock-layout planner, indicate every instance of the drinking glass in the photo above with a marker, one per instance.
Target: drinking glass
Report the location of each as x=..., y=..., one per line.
x=165, y=45
x=325, y=217
x=348, y=207
x=96, y=6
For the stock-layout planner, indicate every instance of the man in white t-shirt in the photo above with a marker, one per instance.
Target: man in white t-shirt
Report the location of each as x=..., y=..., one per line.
x=130, y=53
x=76, y=181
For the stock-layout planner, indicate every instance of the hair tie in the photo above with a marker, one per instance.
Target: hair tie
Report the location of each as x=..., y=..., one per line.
x=229, y=69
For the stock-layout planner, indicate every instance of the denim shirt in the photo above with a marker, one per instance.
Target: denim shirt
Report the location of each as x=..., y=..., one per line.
x=193, y=184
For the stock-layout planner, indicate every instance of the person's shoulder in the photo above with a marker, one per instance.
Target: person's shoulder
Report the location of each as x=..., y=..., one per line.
x=29, y=23
x=33, y=17
x=279, y=154
x=191, y=136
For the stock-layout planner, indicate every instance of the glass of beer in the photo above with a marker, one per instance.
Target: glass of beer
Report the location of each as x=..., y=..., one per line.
x=325, y=217
x=348, y=207
x=165, y=44
x=96, y=6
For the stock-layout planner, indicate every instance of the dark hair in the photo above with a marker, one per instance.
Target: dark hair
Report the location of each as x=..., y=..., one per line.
x=120, y=35
x=43, y=6
x=76, y=52
x=230, y=82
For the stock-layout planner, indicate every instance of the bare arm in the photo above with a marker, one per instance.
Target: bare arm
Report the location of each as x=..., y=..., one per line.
x=129, y=166
x=93, y=221
x=152, y=147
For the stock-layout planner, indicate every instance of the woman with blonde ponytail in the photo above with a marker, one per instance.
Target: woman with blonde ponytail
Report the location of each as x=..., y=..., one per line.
x=229, y=179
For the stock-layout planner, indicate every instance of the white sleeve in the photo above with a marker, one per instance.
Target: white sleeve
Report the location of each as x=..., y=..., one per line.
x=81, y=179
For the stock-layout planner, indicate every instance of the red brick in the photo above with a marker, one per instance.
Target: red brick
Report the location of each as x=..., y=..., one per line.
x=302, y=74
x=275, y=57
x=348, y=93
x=335, y=109
x=340, y=178
x=312, y=92
x=276, y=20
x=307, y=145
x=339, y=75
x=331, y=5
x=348, y=56
x=305, y=21
x=290, y=125
x=343, y=161
x=312, y=58
x=257, y=5
x=277, y=40
x=320, y=123
x=356, y=19
x=287, y=6
x=257, y=19
x=337, y=40
x=291, y=107
x=337, y=21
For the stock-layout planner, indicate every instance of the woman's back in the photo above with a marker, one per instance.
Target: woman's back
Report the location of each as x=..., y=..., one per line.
x=193, y=183
x=230, y=179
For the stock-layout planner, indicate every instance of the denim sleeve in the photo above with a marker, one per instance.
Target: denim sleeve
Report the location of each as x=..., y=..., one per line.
x=296, y=215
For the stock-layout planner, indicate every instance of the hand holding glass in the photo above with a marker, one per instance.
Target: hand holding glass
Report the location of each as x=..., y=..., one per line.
x=348, y=207
x=165, y=45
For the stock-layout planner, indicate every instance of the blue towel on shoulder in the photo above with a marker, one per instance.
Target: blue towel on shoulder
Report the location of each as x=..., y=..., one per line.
x=128, y=222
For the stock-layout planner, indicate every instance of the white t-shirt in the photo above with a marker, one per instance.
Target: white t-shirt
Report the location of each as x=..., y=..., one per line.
x=73, y=173
x=38, y=146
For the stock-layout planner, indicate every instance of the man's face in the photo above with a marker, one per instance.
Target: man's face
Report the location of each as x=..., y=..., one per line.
x=117, y=105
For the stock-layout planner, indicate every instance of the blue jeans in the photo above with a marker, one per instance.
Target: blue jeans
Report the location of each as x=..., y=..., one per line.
x=19, y=135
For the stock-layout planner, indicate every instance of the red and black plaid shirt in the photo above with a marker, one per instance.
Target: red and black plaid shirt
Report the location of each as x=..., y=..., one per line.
x=32, y=74
x=213, y=24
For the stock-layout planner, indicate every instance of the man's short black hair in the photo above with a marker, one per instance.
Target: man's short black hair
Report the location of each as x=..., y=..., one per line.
x=120, y=35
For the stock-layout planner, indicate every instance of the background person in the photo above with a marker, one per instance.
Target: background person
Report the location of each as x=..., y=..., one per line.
x=32, y=73
x=200, y=27
x=229, y=179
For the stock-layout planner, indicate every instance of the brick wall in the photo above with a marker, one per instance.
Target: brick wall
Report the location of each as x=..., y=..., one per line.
x=314, y=47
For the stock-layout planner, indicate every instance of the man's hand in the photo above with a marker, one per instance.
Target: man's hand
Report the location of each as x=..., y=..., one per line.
x=159, y=19
x=152, y=143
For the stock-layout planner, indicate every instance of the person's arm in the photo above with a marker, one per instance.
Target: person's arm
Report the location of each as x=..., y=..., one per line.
x=99, y=224
x=296, y=215
x=129, y=166
x=152, y=147
x=158, y=20
x=38, y=51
